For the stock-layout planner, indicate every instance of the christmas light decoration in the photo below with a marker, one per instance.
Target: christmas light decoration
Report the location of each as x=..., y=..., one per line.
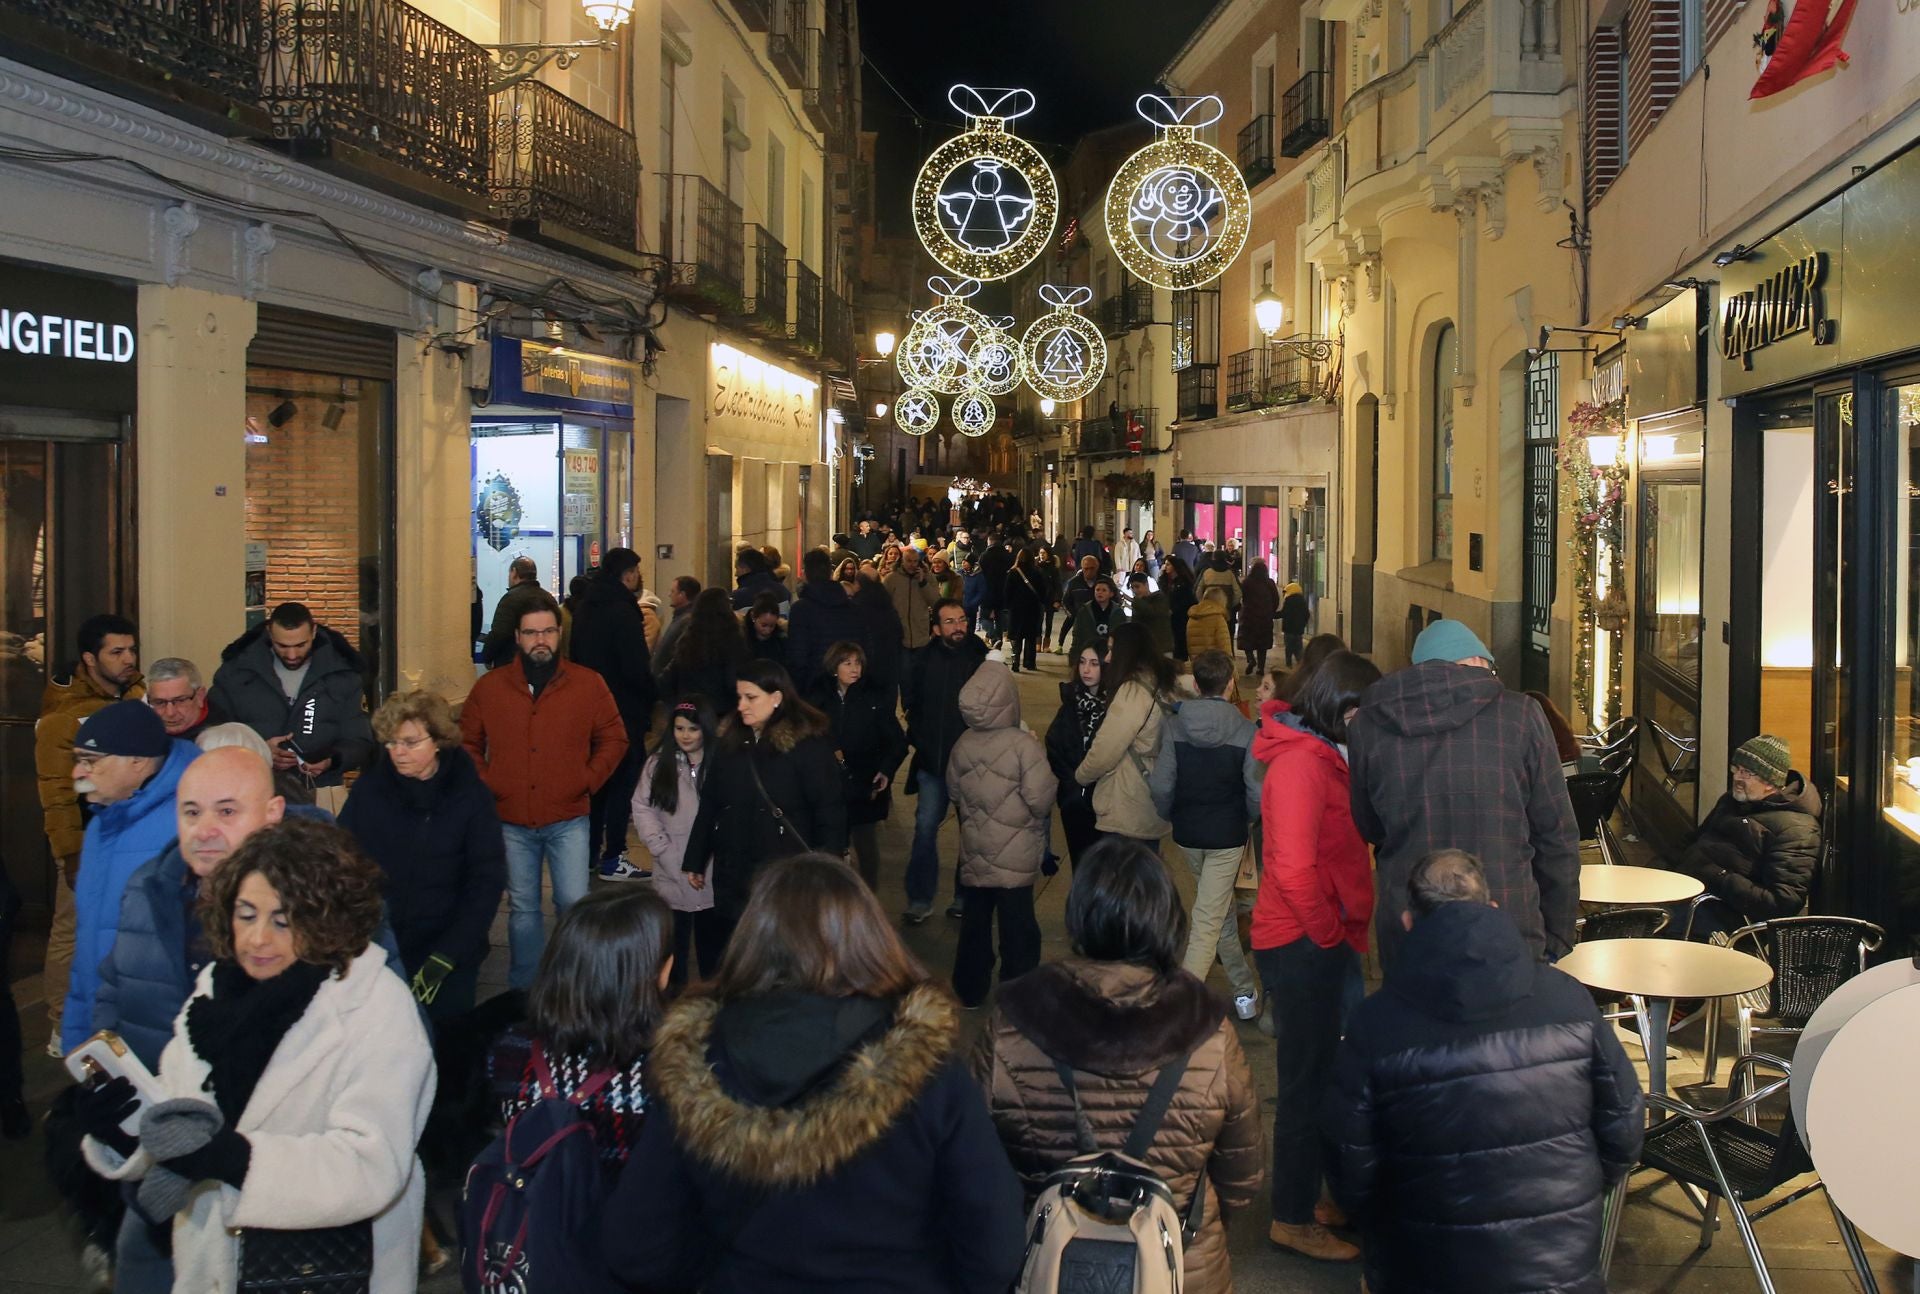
x=1064, y=354
x=934, y=354
x=916, y=412
x=985, y=201
x=973, y=413
x=926, y=356
x=1178, y=210
x=994, y=364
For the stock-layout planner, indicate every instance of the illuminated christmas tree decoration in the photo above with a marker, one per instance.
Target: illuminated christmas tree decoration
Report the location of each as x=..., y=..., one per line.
x=994, y=364
x=986, y=200
x=937, y=347
x=1178, y=210
x=1063, y=352
x=973, y=413
x=916, y=412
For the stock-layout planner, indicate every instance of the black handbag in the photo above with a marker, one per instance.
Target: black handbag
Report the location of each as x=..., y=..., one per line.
x=320, y=1260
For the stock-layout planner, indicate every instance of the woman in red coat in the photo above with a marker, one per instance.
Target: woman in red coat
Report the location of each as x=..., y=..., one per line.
x=1310, y=923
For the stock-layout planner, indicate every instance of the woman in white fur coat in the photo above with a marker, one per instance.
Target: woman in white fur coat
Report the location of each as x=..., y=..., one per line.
x=299, y=1075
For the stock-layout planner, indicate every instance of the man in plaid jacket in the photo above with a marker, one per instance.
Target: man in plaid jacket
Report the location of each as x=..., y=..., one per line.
x=1443, y=756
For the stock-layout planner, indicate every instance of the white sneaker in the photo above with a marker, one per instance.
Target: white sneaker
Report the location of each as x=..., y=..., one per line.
x=54, y=1049
x=1247, y=1006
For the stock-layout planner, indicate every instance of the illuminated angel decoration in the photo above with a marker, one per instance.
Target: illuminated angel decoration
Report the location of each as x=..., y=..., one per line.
x=984, y=216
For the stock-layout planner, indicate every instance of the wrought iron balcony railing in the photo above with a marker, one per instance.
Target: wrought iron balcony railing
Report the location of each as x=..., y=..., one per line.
x=380, y=86
x=764, y=306
x=817, y=98
x=787, y=45
x=701, y=231
x=1256, y=149
x=1305, y=118
x=803, y=292
x=1134, y=431
x=200, y=55
x=757, y=15
x=1130, y=308
x=555, y=163
x=1197, y=390
x=1308, y=368
x=839, y=333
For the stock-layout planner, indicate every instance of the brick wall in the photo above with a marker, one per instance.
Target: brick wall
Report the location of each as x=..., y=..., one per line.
x=1653, y=64
x=1603, y=111
x=304, y=491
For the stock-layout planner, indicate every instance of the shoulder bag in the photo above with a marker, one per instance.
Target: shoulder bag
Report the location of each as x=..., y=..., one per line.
x=319, y=1260
x=779, y=814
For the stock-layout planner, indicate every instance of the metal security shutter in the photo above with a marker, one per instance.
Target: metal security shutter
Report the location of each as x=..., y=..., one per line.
x=320, y=344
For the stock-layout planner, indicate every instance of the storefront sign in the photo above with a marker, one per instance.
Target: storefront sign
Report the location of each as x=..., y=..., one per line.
x=66, y=341
x=1610, y=377
x=555, y=377
x=758, y=399
x=1176, y=488
x=1665, y=360
x=1787, y=303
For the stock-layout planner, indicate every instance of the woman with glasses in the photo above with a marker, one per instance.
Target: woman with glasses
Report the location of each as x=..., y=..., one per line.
x=423, y=814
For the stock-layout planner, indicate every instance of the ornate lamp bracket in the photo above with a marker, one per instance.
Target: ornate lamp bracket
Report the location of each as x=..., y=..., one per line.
x=513, y=64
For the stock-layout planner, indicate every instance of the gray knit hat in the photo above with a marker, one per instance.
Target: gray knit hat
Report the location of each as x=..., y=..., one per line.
x=1767, y=757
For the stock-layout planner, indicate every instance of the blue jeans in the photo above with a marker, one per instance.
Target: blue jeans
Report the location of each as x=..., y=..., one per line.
x=564, y=846
x=139, y=1266
x=923, y=864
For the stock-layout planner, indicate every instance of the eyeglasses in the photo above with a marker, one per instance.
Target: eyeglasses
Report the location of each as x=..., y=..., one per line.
x=403, y=743
x=169, y=703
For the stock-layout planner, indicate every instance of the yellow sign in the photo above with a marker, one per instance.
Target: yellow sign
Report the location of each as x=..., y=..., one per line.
x=759, y=398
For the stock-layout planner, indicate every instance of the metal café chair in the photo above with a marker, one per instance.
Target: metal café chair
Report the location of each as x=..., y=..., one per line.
x=1811, y=957
x=1679, y=756
x=1595, y=796
x=1621, y=923
x=1716, y=1153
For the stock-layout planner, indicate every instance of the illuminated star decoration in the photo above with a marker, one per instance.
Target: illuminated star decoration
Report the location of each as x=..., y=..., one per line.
x=916, y=412
x=935, y=352
x=1178, y=210
x=973, y=413
x=1063, y=352
x=994, y=364
x=985, y=202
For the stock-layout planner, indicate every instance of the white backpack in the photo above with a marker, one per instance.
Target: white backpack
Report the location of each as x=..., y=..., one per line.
x=1106, y=1223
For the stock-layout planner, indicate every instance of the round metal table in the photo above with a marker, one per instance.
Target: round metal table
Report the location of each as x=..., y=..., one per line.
x=1635, y=886
x=1657, y=971
x=1863, y=1123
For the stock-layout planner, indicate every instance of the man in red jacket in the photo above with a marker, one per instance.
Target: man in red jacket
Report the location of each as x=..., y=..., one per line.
x=545, y=736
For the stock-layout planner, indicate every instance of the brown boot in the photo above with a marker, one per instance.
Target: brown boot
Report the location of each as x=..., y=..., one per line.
x=1329, y=1214
x=1313, y=1240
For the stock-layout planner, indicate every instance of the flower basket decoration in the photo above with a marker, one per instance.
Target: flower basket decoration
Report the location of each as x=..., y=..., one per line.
x=1591, y=495
x=1128, y=485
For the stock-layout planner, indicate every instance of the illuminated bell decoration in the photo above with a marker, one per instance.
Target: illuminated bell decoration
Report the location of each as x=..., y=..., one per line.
x=973, y=413
x=942, y=338
x=985, y=201
x=916, y=412
x=994, y=364
x=1063, y=352
x=1178, y=210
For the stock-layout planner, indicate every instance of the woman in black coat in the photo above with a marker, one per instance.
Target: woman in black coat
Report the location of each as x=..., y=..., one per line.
x=1046, y=578
x=422, y=813
x=870, y=746
x=708, y=657
x=773, y=790
x=1176, y=581
x=881, y=633
x=1025, y=603
x=1083, y=706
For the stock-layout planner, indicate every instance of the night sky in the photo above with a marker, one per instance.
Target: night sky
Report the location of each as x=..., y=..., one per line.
x=1085, y=61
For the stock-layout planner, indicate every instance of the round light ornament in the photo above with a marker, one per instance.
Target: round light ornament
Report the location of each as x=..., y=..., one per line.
x=1063, y=352
x=986, y=200
x=916, y=412
x=926, y=356
x=943, y=337
x=994, y=364
x=1178, y=210
x=973, y=412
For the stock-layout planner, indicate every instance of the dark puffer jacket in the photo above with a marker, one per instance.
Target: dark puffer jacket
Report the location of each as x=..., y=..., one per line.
x=862, y=727
x=328, y=718
x=822, y=615
x=1759, y=857
x=1196, y=780
x=610, y=638
x=931, y=698
x=1480, y=1109
x=1117, y=1025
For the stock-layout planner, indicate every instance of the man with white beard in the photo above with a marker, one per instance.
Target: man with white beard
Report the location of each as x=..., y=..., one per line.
x=1756, y=851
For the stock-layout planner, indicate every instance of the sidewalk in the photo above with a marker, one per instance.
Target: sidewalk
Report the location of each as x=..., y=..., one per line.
x=1658, y=1235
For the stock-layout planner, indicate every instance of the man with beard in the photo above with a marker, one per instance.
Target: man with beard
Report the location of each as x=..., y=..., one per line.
x=1757, y=849
x=545, y=736
x=301, y=686
x=930, y=694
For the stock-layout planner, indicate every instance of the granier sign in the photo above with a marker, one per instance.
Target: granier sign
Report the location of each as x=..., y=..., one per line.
x=1782, y=305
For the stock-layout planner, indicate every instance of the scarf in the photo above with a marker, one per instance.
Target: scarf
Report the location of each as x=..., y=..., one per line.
x=1090, y=708
x=237, y=1030
x=538, y=676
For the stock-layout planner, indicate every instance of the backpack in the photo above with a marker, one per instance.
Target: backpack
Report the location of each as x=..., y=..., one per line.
x=531, y=1207
x=1105, y=1221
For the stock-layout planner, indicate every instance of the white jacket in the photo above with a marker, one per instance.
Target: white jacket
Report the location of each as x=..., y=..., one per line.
x=333, y=1124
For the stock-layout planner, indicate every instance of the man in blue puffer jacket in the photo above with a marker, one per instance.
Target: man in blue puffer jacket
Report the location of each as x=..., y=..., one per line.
x=127, y=767
x=1480, y=1108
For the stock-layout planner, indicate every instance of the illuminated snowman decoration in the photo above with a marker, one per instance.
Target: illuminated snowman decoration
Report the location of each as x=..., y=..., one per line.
x=1178, y=210
x=985, y=201
x=994, y=364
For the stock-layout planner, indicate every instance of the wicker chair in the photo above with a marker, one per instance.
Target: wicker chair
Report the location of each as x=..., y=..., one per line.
x=1716, y=1153
x=1811, y=957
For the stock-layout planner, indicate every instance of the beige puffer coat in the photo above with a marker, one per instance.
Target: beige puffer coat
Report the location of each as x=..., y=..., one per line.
x=1116, y=1025
x=1001, y=784
x=1117, y=764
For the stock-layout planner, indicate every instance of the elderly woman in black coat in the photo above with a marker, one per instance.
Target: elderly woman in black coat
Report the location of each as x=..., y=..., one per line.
x=868, y=742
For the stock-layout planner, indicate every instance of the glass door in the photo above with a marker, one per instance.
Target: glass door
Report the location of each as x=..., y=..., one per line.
x=1897, y=903
x=1667, y=662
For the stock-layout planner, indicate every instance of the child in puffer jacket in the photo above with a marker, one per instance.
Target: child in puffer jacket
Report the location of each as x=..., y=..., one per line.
x=1004, y=791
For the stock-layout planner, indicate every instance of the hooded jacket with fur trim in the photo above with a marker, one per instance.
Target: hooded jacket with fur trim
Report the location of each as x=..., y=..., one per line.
x=1117, y=1025
x=805, y=1143
x=1000, y=784
x=790, y=766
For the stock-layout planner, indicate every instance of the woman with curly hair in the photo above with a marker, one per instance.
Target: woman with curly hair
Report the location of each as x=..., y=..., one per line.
x=815, y=1087
x=297, y=1082
x=709, y=654
x=772, y=790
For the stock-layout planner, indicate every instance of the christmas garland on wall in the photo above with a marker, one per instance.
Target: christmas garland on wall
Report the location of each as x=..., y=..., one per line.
x=1592, y=497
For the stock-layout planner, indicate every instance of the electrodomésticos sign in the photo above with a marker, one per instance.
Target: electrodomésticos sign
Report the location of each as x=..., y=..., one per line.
x=67, y=341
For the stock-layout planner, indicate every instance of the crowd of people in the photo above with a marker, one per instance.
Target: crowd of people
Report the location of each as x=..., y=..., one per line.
x=280, y=902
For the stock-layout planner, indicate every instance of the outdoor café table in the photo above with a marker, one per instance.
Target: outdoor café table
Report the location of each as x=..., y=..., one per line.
x=1656, y=972
x=1632, y=887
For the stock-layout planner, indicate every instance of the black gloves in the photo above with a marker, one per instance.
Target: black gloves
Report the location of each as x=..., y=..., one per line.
x=223, y=1159
x=102, y=1107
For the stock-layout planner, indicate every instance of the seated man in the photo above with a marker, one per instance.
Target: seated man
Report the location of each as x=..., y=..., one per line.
x=1757, y=849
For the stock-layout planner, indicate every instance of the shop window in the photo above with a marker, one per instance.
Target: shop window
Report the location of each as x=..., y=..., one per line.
x=1446, y=362
x=1787, y=544
x=318, y=501
x=1900, y=797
